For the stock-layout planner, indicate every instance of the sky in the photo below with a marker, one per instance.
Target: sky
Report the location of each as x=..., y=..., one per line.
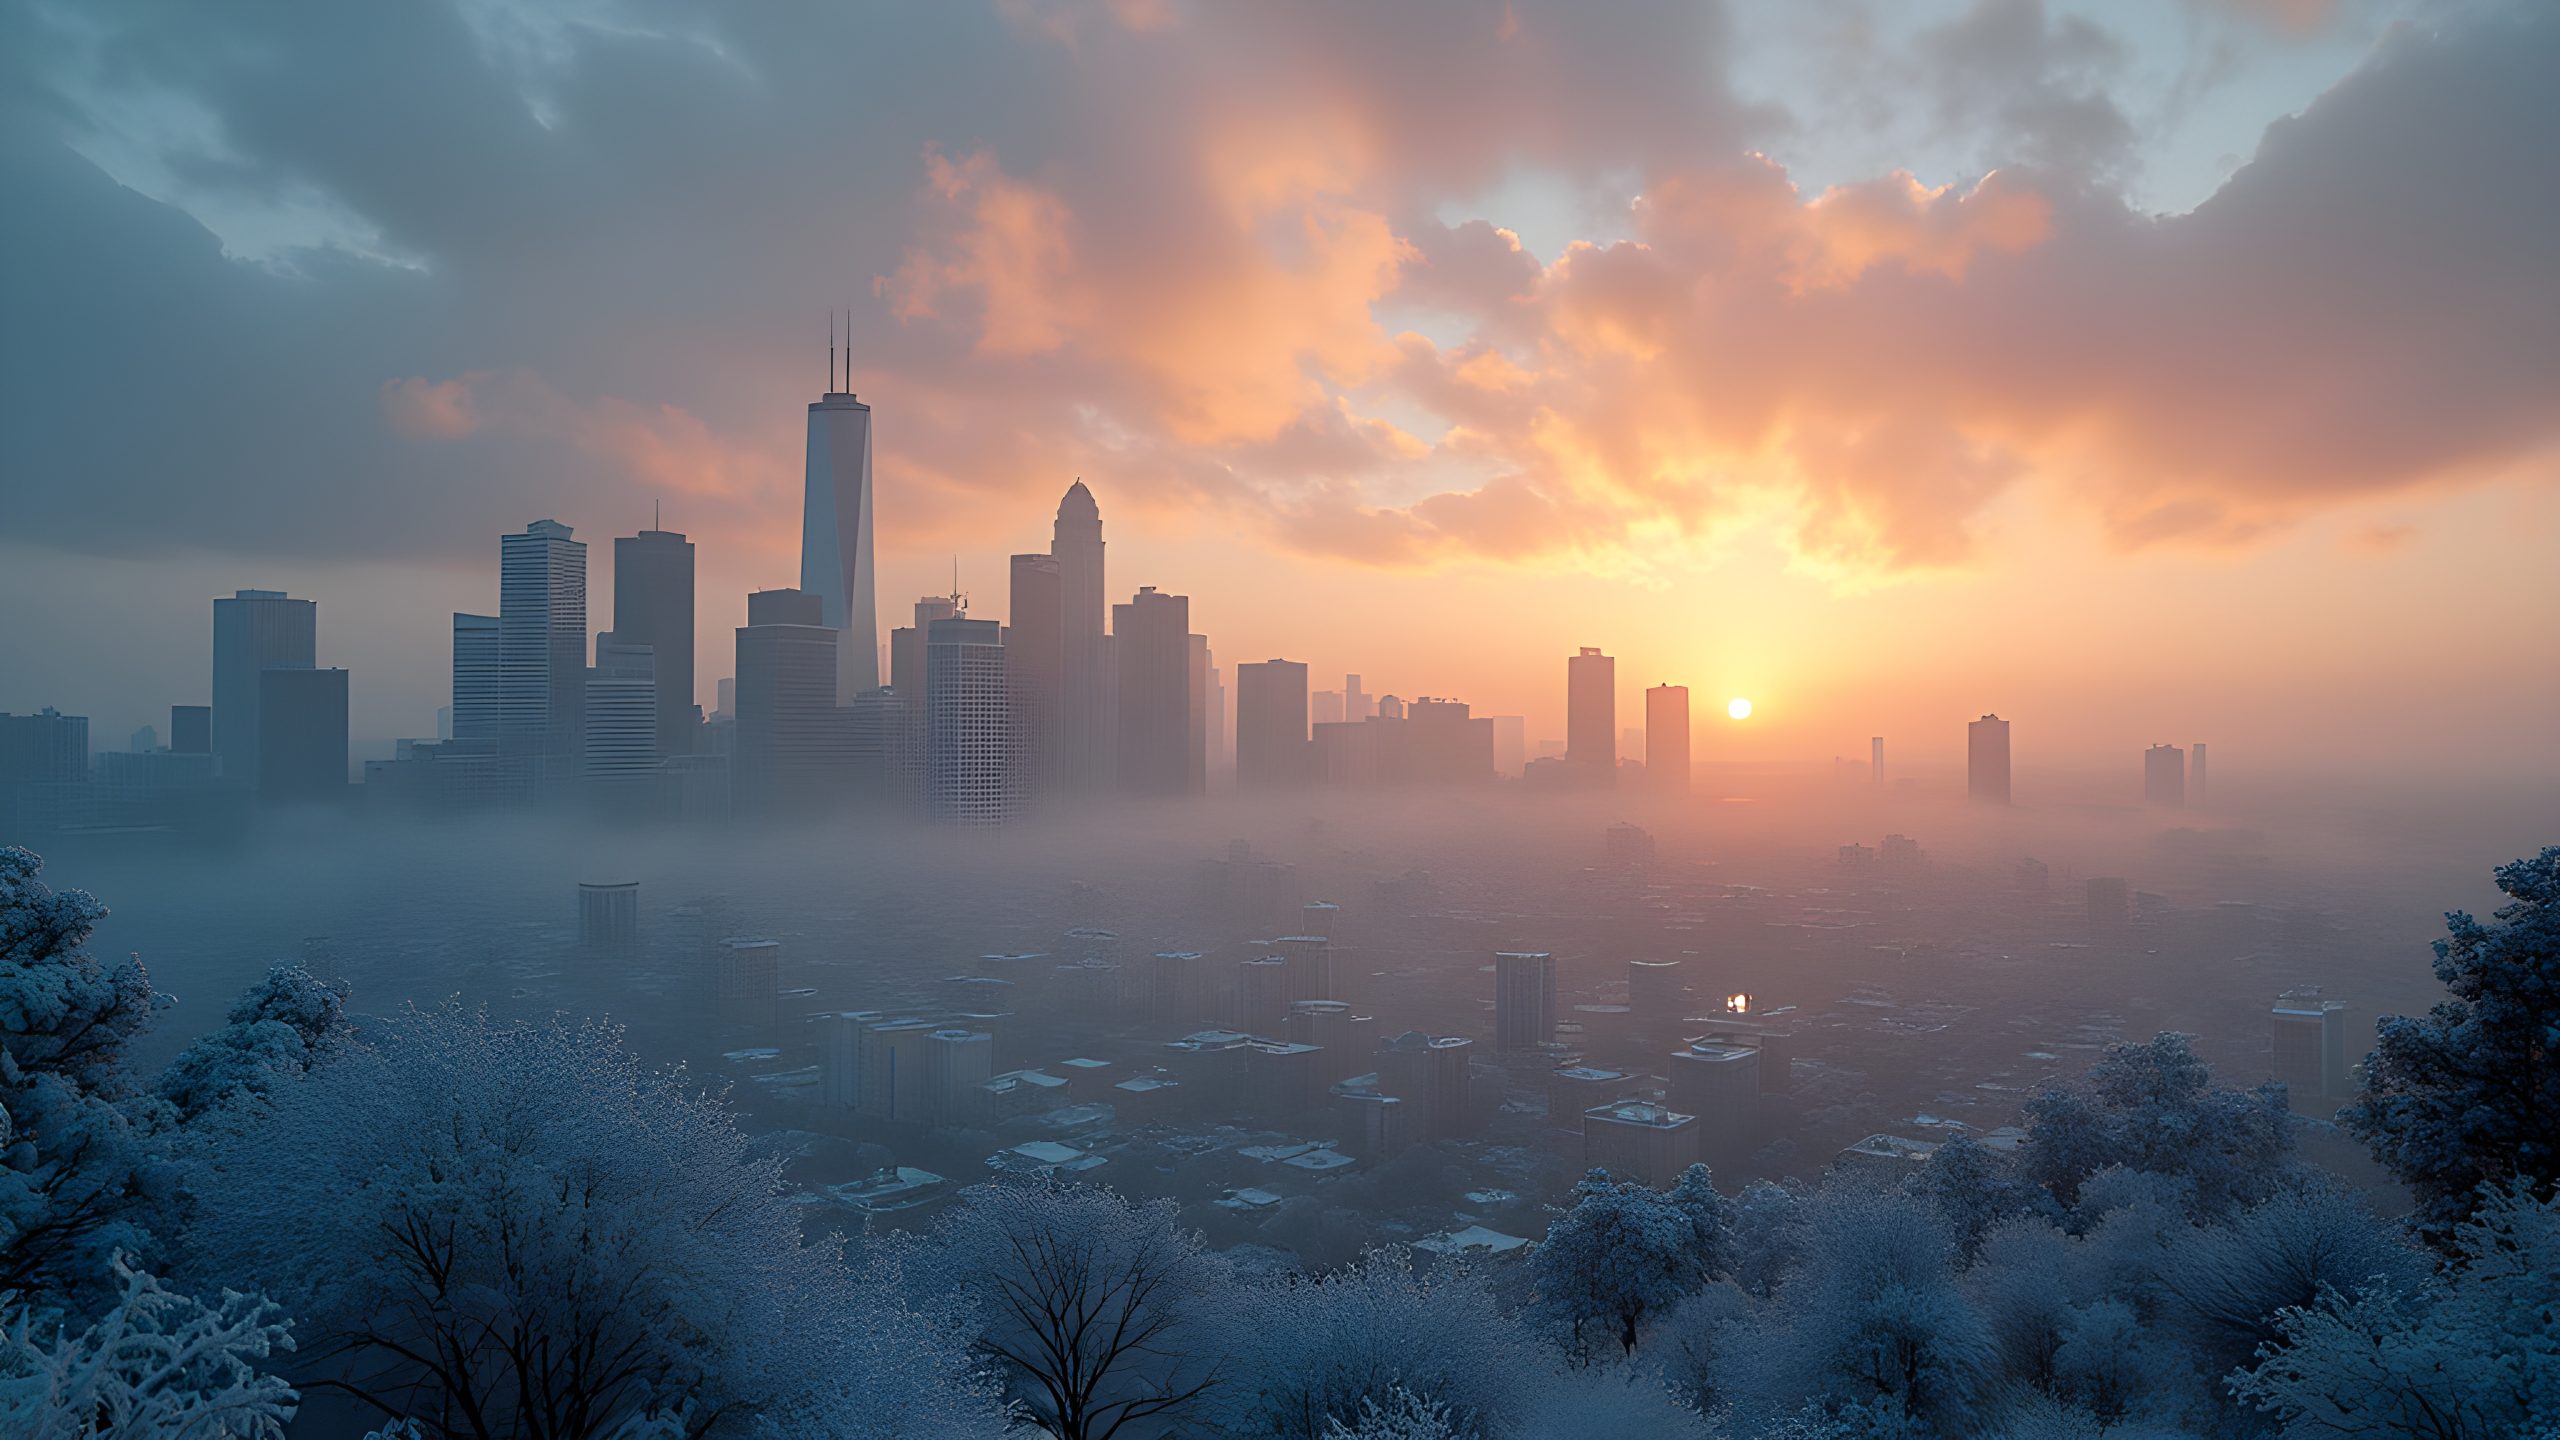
x=2176, y=372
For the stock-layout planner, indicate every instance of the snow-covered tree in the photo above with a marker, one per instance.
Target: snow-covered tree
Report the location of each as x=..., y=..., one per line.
x=281, y=1026
x=1763, y=1221
x=1622, y=1252
x=1973, y=1187
x=515, y=1229
x=2228, y=1282
x=1101, y=1313
x=155, y=1366
x=75, y=1171
x=1310, y=1351
x=2469, y=1094
x=2473, y=1355
x=1402, y=1415
x=2154, y=1107
x=1871, y=1330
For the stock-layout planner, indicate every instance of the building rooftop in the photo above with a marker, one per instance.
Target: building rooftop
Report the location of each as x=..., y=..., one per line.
x=1639, y=1112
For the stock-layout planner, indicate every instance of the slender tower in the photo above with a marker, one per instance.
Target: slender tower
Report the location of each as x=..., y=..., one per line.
x=835, y=528
x=1087, y=744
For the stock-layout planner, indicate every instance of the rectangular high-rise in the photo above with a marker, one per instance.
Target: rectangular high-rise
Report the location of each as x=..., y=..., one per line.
x=1875, y=760
x=1524, y=999
x=191, y=729
x=475, y=681
x=253, y=631
x=835, y=536
x=302, y=734
x=653, y=606
x=2310, y=1047
x=1271, y=723
x=2164, y=776
x=542, y=642
x=789, y=737
x=1035, y=672
x=1591, y=717
x=1196, y=677
x=1986, y=771
x=1666, y=739
x=969, y=777
x=1151, y=636
x=619, y=755
x=2195, y=772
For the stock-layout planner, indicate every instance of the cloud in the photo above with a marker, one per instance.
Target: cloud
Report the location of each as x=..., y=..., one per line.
x=1226, y=262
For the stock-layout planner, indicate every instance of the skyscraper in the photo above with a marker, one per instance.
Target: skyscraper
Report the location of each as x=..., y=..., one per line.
x=619, y=754
x=254, y=631
x=1524, y=999
x=475, y=681
x=1271, y=723
x=653, y=606
x=1034, y=672
x=302, y=733
x=1087, y=751
x=542, y=641
x=969, y=776
x=1875, y=760
x=1357, y=704
x=191, y=729
x=1151, y=636
x=835, y=536
x=1591, y=717
x=1196, y=757
x=1666, y=739
x=2164, y=775
x=1986, y=771
x=789, y=735
x=2195, y=772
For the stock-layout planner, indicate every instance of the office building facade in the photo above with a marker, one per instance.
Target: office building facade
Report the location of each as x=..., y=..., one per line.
x=254, y=631
x=1986, y=770
x=835, y=536
x=653, y=607
x=1591, y=717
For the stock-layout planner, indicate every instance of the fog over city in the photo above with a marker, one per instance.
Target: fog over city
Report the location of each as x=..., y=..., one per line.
x=1453, y=722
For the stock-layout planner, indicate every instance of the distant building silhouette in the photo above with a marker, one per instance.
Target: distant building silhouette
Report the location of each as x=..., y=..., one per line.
x=191, y=729
x=1591, y=717
x=835, y=534
x=969, y=775
x=1271, y=724
x=619, y=756
x=1524, y=999
x=302, y=734
x=653, y=606
x=2164, y=775
x=1151, y=635
x=1666, y=739
x=2195, y=773
x=790, y=741
x=1089, y=756
x=1357, y=704
x=1325, y=707
x=475, y=682
x=1035, y=672
x=1875, y=761
x=1987, y=760
x=609, y=918
x=542, y=643
x=2110, y=902
x=254, y=631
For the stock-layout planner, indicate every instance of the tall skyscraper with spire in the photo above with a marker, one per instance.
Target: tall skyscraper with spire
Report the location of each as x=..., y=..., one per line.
x=1087, y=741
x=835, y=529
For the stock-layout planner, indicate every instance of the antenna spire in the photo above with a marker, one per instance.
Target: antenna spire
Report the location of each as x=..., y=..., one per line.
x=831, y=352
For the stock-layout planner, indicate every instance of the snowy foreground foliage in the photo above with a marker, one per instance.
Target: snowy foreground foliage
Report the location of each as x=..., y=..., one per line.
x=437, y=1225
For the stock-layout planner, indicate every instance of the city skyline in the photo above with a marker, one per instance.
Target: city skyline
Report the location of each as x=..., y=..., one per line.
x=1366, y=428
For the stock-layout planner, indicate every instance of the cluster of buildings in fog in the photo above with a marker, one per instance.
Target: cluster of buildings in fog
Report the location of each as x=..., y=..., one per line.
x=974, y=722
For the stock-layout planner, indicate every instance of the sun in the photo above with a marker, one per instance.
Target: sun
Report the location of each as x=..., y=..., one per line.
x=1738, y=708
